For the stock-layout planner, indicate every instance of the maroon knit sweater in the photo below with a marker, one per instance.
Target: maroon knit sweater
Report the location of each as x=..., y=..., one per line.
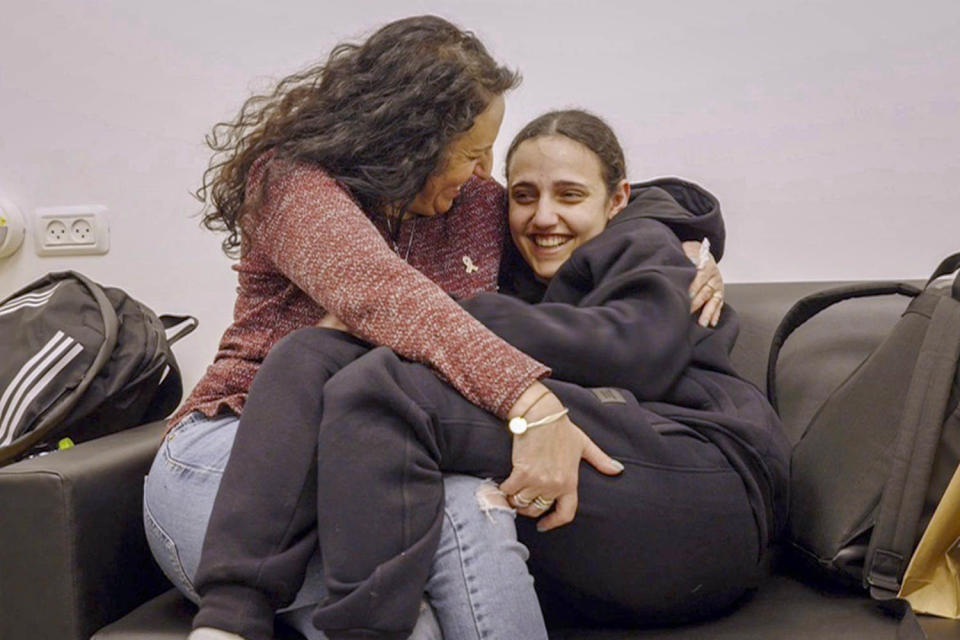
x=310, y=248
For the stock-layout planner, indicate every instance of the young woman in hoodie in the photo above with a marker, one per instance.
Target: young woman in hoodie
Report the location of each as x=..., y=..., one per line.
x=604, y=301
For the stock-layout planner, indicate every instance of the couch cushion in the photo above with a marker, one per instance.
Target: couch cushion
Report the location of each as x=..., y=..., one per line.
x=166, y=617
x=782, y=608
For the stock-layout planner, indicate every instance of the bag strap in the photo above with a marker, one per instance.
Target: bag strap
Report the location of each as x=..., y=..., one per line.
x=809, y=306
x=170, y=389
x=176, y=327
x=949, y=265
x=918, y=436
x=168, y=395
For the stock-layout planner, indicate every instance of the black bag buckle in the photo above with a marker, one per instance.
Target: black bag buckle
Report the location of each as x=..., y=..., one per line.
x=884, y=575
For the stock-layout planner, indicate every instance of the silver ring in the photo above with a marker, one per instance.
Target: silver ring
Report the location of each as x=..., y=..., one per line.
x=540, y=503
x=717, y=295
x=521, y=503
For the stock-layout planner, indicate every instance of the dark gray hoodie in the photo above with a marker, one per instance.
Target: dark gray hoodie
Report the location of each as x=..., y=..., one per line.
x=616, y=314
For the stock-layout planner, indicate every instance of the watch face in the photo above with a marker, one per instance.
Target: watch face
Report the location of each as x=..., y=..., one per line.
x=517, y=425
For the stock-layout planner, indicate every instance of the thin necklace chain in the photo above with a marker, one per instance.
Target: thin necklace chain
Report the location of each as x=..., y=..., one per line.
x=396, y=247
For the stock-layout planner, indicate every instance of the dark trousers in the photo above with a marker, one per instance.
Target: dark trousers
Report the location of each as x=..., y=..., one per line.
x=671, y=539
x=262, y=529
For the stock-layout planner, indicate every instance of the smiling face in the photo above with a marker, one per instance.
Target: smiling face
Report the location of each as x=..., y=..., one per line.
x=470, y=154
x=557, y=200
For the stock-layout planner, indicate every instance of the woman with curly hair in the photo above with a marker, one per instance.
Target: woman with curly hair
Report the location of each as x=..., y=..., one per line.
x=358, y=192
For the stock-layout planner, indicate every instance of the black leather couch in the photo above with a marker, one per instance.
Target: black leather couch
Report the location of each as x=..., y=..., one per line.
x=74, y=562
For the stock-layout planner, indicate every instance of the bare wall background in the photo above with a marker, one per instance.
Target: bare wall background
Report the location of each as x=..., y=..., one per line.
x=828, y=129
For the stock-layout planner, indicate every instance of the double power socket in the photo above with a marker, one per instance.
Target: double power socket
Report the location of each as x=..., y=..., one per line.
x=71, y=231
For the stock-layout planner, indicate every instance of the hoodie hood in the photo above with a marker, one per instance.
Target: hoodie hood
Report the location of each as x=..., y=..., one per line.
x=689, y=210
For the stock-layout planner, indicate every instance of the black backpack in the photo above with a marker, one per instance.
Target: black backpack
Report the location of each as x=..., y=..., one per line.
x=877, y=456
x=80, y=361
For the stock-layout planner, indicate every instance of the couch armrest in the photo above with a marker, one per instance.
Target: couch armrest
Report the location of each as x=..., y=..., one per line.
x=73, y=555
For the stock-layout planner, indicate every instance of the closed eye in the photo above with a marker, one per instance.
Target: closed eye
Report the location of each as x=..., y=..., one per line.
x=476, y=155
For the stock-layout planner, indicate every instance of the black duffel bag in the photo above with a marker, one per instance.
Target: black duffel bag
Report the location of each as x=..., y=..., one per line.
x=78, y=361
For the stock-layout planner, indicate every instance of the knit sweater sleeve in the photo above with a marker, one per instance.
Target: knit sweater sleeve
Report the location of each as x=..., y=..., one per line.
x=317, y=236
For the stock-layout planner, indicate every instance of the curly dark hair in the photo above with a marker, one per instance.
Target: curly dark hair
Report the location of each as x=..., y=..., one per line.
x=585, y=128
x=377, y=116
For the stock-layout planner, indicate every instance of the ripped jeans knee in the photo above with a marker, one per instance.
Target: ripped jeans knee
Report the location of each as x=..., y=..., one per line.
x=479, y=585
x=490, y=499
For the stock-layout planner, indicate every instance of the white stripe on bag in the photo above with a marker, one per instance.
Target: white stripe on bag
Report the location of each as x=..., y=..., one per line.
x=27, y=373
x=32, y=295
x=42, y=384
x=26, y=369
x=23, y=305
x=33, y=302
x=37, y=299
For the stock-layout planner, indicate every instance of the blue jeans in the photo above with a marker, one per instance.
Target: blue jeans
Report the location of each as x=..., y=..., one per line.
x=479, y=586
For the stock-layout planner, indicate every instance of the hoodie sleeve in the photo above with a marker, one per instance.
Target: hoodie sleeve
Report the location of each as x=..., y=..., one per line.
x=616, y=314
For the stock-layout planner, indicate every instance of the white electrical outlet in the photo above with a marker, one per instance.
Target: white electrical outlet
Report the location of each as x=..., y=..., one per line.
x=71, y=231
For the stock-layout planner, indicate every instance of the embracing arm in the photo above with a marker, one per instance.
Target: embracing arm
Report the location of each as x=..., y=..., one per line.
x=693, y=214
x=317, y=236
x=617, y=314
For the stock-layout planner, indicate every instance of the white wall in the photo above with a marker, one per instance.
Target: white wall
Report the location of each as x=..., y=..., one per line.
x=829, y=129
